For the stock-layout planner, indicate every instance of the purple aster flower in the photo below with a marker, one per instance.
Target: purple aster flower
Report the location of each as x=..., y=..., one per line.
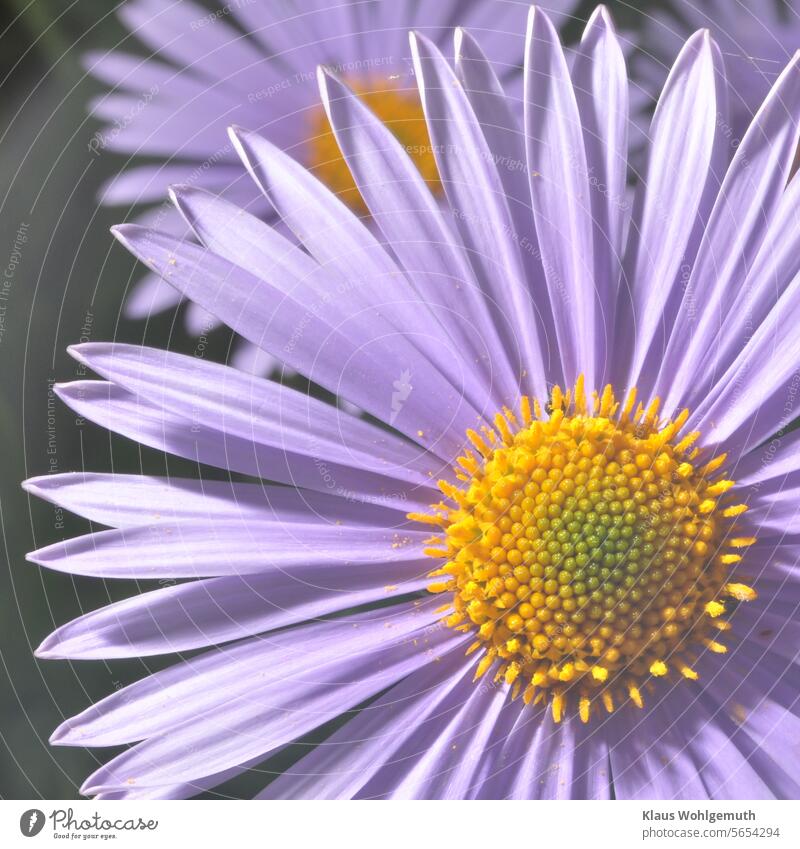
x=756, y=39
x=536, y=579
x=254, y=63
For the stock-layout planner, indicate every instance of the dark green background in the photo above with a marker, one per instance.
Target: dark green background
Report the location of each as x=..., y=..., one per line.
x=70, y=269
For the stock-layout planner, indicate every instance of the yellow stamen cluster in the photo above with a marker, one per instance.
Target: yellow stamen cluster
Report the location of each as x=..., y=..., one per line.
x=401, y=111
x=588, y=549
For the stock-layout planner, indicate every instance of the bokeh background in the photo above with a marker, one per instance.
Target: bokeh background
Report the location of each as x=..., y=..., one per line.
x=68, y=282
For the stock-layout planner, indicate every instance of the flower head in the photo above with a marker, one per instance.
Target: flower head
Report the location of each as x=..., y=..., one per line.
x=577, y=518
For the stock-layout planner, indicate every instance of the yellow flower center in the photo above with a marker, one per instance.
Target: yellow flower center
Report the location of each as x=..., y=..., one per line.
x=401, y=111
x=588, y=550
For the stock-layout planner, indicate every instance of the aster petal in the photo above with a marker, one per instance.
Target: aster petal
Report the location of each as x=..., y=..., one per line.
x=760, y=768
x=163, y=126
x=403, y=207
x=341, y=766
x=252, y=360
x=212, y=51
x=312, y=33
x=775, y=266
x=128, y=72
x=600, y=82
x=203, y=442
x=772, y=466
x=756, y=397
x=771, y=623
x=742, y=213
x=341, y=243
x=776, y=513
x=559, y=186
x=150, y=295
x=442, y=760
x=229, y=706
x=725, y=762
x=211, y=612
x=268, y=667
x=251, y=244
x=197, y=548
x=149, y=183
x=475, y=193
x=500, y=126
x=124, y=501
x=687, y=160
x=649, y=756
x=199, y=322
x=542, y=759
x=252, y=408
x=181, y=791
x=275, y=320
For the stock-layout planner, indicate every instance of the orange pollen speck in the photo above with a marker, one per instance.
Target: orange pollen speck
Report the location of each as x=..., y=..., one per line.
x=589, y=550
x=401, y=110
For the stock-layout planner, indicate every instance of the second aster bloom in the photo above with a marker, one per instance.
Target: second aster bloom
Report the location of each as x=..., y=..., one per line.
x=575, y=516
x=254, y=63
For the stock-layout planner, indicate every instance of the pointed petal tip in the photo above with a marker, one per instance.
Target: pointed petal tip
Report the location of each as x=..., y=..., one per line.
x=326, y=72
x=600, y=17
x=60, y=735
x=181, y=189
x=237, y=131
x=417, y=40
x=539, y=24
x=182, y=193
x=236, y=135
x=127, y=232
x=80, y=351
x=90, y=788
x=330, y=83
x=47, y=651
x=32, y=484
x=63, y=390
x=241, y=141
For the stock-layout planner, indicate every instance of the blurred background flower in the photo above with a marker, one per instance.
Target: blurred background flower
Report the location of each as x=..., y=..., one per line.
x=253, y=63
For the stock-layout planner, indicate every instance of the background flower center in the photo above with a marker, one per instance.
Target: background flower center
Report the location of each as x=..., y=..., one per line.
x=400, y=110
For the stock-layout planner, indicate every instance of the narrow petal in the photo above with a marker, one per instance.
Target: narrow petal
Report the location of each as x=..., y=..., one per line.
x=229, y=706
x=403, y=207
x=687, y=160
x=559, y=185
x=136, y=418
x=757, y=395
x=600, y=81
x=252, y=408
x=343, y=246
x=775, y=266
x=500, y=124
x=211, y=612
x=194, y=549
x=740, y=219
x=124, y=501
x=299, y=334
x=443, y=760
x=475, y=193
x=341, y=766
x=649, y=756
